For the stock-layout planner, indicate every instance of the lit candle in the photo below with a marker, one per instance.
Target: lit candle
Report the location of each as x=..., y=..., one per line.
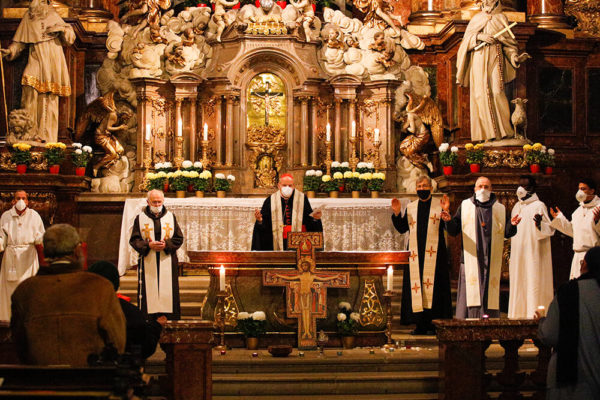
x=353, y=129
x=541, y=311
x=328, y=132
x=179, y=128
x=543, y=7
x=222, y=279
x=390, y=278
x=205, y=134
x=376, y=138
x=430, y=5
x=148, y=132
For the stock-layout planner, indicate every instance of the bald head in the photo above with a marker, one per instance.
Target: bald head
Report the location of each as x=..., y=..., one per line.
x=483, y=182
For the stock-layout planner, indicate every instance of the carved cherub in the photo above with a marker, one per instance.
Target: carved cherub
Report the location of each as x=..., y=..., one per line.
x=188, y=38
x=306, y=15
x=149, y=8
x=175, y=56
x=378, y=14
x=378, y=44
x=219, y=15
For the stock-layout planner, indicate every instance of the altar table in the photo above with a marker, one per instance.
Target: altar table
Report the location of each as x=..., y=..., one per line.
x=227, y=224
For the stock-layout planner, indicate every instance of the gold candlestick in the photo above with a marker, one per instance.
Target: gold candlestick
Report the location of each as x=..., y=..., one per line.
x=328, y=156
x=220, y=324
x=353, y=159
x=178, y=152
x=376, y=164
x=147, y=163
x=387, y=295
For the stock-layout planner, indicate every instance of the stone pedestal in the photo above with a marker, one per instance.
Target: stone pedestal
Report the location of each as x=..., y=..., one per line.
x=548, y=14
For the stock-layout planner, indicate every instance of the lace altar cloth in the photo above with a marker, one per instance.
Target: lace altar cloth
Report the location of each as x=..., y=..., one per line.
x=227, y=224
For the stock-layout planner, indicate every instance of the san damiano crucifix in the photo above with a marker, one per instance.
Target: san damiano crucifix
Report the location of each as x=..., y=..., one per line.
x=268, y=96
x=306, y=294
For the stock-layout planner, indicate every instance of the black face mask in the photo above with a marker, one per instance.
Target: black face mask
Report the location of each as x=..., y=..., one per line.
x=423, y=194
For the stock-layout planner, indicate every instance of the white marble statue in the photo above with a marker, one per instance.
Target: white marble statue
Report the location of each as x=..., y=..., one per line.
x=306, y=15
x=219, y=16
x=46, y=76
x=117, y=178
x=486, y=60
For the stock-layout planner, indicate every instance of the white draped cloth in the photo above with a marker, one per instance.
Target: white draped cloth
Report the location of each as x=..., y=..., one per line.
x=18, y=236
x=227, y=224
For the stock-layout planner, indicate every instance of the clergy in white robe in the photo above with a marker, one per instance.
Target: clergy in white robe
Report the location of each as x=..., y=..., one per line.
x=156, y=237
x=584, y=226
x=484, y=224
x=22, y=229
x=530, y=267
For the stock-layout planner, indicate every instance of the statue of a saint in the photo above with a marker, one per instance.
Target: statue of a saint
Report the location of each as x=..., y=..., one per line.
x=46, y=76
x=485, y=69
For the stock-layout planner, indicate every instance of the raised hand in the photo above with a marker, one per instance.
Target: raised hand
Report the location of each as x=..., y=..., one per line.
x=515, y=220
x=554, y=213
x=445, y=203
x=537, y=218
x=396, y=206
x=258, y=215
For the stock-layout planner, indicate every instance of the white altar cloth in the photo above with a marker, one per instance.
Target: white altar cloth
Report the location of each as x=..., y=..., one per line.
x=227, y=224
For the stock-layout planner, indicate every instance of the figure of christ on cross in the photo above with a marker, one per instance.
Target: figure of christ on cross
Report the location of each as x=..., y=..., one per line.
x=267, y=95
x=302, y=283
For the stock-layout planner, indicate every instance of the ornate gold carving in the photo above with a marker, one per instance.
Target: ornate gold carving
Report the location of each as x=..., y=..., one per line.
x=160, y=156
x=370, y=309
x=266, y=145
x=322, y=106
x=209, y=106
x=159, y=105
x=503, y=158
x=587, y=13
x=231, y=308
x=368, y=107
x=38, y=162
x=267, y=28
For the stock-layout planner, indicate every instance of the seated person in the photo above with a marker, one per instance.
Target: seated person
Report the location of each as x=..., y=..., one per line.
x=63, y=315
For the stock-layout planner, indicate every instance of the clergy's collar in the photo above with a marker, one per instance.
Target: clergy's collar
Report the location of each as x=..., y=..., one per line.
x=592, y=203
x=530, y=199
x=486, y=204
x=152, y=215
x=60, y=267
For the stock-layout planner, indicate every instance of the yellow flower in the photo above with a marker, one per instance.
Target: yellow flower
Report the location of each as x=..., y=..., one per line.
x=326, y=178
x=537, y=146
x=527, y=147
x=338, y=175
x=194, y=174
x=478, y=146
x=150, y=176
x=21, y=146
x=469, y=146
x=355, y=174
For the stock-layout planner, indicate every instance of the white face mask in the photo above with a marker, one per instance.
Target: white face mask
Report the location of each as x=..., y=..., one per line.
x=156, y=210
x=286, y=191
x=482, y=195
x=521, y=192
x=580, y=196
x=20, y=205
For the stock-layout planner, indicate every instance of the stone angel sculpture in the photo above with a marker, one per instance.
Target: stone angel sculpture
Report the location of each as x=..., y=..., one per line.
x=143, y=13
x=219, y=15
x=101, y=118
x=423, y=119
x=306, y=15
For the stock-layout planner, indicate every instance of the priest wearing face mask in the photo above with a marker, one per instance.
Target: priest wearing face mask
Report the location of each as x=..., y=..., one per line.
x=484, y=224
x=285, y=211
x=426, y=284
x=21, y=230
x=530, y=267
x=583, y=227
x=156, y=237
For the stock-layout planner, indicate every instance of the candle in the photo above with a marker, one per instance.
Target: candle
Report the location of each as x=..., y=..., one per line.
x=543, y=7
x=353, y=129
x=222, y=279
x=148, y=132
x=328, y=132
x=430, y=5
x=205, y=134
x=541, y=311
x=376, y=139
x=179, y=127
x=390, y=278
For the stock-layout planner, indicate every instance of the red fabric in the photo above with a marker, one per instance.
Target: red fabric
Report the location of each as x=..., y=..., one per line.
x=286, y=176
x=127, y=299
x=288, y=228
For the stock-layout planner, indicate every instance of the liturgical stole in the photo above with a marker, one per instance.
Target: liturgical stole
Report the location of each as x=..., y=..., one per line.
x=277, y=219
x=469, y=237
x=423, y=298
x=158, y=282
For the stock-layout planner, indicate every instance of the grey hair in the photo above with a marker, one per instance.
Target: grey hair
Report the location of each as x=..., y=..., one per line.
x=60, y=240
x=423, y=178
x=155, y=191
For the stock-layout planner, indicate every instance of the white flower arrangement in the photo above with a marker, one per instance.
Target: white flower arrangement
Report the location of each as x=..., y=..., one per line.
x=159, y=165
x=198, y=165
x=325, y=178
x=335, y=164
x=187, y=164
x=341, y=317
x=318, y=173
x=347, y=174
x=454, y=149
x=344, y=305
x=220, y=176
x=206, y=174
x=167, y=165
x=345, y=164
x=361, y=164
x=355, y=316
x=338, y=175
x=444, y=147
x=259, y=316
x=243, y=315
x=370, y=165
x=551, y=152
x=231, y=178
x=251, y=324
x=77, y=145
x=347, y=321
x=78, y=151
x=310, y=172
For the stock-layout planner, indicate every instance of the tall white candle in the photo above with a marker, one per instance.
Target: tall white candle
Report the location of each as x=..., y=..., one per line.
x=353, y=128
x=376, y=136
x=205, y=134
x=328, y=131
x=390, y=278
x=148, y=132
x=179, y=127
x=543, y=7
x=222, y=278
x=430, y=5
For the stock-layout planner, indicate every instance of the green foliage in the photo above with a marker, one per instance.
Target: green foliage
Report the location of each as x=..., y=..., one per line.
x=178, y=182
x=347, y=321
x=311, y=183
x=251, y=325
x=448, y=158
x=20, y=157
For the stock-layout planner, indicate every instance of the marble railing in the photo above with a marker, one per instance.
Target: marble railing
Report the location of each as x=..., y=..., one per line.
x=463, y=370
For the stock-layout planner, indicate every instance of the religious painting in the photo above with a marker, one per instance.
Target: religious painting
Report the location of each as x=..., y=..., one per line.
x=266, y=102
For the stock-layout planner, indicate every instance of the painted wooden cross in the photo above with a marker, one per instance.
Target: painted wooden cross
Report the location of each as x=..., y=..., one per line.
x=306, y=294
x=146, y=231
x=168, y=231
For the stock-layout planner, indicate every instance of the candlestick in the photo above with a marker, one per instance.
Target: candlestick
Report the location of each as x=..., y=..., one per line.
x=179, y=128
x=222, y=278
x=205, y=134
x=387, y=295
x=353, y=160
x=390, y=279
x=147, y=157
x=178, y=151
x=328, y=160
x=376, y=135
x=148, y=132
x=376, y=145
x=220, y=319
x=204, y=144
x=328, y=132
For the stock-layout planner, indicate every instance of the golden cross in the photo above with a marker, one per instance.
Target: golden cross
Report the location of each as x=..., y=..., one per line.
x=435, y=218
x=416, y=287
x=428, y=283
x=168, y=231
x=413, y=255
x=146, y=231
x=431, y=251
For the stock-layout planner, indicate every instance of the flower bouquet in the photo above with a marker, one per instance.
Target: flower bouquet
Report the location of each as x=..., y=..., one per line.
x=375, y=184
x=475, y=156
x=54, y=155
x=80, y=157
x=347, y=323
x=165, y=167
x=155, y=180
x=353, y=183
x=201, y=182
x=448, y=157
x=364, y=167
x=534, y=156
x=223, y=184
x=548, y=161
x=21, y=155
x=252, y=326
x=311, y=183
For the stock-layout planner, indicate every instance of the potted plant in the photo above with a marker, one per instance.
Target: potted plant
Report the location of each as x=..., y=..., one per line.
x=549, y=162
x=474, y=156
x=448, y=157
x=252, y=326
x=223, y=184
x=347, y=324
x=364, y=167
x=375, y=184
x=167, y=168
x=54, y=155
x=21, y=155
x=201, y=182
x=533, y=156
x=330, y=185
x=311, y=183
x=80, y=157
x=353, y=182
x=179, y=183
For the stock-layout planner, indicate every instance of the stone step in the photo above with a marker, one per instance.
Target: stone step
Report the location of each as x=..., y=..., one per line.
x=395, y=396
